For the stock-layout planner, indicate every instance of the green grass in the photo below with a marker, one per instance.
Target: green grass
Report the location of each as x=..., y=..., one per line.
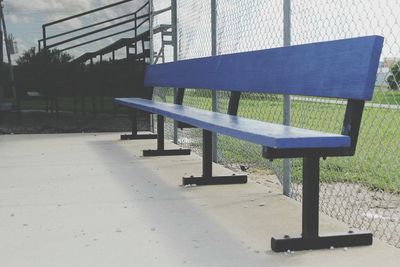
x=376, y=163
x=386, y=97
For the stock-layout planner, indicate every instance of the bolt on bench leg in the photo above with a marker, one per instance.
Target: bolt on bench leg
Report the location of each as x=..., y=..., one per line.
x=207, y=178
x=310, y=238
x=161, y=151
x=135, y=135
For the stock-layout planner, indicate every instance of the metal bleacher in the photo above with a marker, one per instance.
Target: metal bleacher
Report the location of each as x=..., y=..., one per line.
x=137, y=46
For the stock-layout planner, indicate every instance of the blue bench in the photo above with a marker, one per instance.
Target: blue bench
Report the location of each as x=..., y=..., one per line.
x=343, y=69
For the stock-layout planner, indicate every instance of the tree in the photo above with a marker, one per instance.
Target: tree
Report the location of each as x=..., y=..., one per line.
x=41, y=71
x=394, y=78
x=43, y=57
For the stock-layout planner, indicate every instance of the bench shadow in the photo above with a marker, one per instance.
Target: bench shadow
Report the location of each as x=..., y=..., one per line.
x=170, y=210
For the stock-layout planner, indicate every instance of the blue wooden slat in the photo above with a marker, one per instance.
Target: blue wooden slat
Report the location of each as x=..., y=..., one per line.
x=340, y=69
x=263, y=133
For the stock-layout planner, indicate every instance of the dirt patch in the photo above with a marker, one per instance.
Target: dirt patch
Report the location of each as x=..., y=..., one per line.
x=354, y=204
x=362, y=208
x=263, y=177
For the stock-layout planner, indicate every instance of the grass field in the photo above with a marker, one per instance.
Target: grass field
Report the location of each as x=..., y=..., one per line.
x=377, y=160
x=387, y=97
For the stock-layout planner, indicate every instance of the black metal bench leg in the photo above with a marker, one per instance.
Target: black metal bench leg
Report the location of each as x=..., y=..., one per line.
x=161, y=151
x=310, y=238
x=135, y=135
x=207, y=178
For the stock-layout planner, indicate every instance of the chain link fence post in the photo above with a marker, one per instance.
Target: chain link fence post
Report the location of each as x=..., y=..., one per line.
x=286, y=181
x=151, y=27
x=151, y=48
x=174, y=22
x=214, y=92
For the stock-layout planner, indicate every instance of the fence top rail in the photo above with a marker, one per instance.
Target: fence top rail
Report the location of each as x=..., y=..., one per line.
x=87, y=27
x=45, y=38
x=89, y=12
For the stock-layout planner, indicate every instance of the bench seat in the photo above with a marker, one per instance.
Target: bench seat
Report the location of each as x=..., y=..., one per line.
x=267, y=134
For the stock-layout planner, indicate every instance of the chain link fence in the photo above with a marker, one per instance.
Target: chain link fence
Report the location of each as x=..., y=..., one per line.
x=362, y=191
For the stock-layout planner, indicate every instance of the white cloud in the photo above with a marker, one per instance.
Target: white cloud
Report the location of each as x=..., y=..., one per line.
x=25, y=18
x=16, y=6
x=24, y=12
x=20, y=19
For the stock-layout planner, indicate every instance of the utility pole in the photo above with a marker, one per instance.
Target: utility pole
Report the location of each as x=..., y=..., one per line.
x=1, y=34
x=1, y=48
x=8, y=50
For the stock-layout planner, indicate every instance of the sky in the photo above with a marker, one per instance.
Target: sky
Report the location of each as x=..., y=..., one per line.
x=242, y=24
x=24, y=19
x=258, y=24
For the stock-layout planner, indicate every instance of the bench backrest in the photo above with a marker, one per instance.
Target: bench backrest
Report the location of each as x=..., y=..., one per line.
x=339, y=69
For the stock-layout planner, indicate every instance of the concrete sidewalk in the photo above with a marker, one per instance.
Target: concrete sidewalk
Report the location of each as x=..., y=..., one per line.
x=92, y=200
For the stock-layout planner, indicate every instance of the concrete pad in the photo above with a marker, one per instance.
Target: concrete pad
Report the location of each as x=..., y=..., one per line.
x=93, y=200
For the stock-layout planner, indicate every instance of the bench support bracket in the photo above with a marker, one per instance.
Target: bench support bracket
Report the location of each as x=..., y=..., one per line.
x=161, y=151
x=207, y=178
x=215, y=180
x=135, y=135
x=310, y=238
x=138, y=136
x=336, y=241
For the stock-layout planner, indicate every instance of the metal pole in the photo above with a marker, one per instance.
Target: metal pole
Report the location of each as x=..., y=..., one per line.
x=136, y=30
x=44, y=37
x=207, y=154
x=287, y=190
x=160, y=132
x=310, y=205
x=151, y=48
x=214, y=93
x=174, y=14
x=151, y=22
x=174, y=24
x=136, y=24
